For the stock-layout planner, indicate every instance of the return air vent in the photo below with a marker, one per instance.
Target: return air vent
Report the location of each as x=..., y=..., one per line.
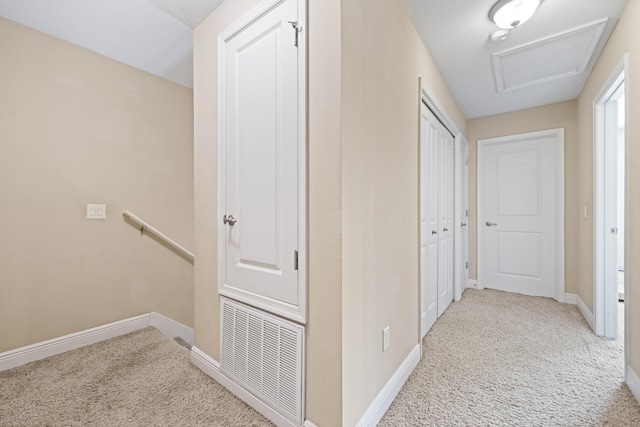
x=264, y=354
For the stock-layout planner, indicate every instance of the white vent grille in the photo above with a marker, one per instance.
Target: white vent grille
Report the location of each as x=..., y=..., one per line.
x=264, y=354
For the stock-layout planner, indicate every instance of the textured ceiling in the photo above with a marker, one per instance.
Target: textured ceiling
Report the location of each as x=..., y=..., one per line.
x=456, y=33
x=151, y=35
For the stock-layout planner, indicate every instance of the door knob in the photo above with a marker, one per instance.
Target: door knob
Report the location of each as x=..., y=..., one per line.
x=445, y=229
x=463, y=224
x=229, y=219
x=490, y=224
x=434, y=232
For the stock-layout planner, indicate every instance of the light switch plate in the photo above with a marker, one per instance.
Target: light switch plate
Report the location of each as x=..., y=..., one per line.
x=96, y=211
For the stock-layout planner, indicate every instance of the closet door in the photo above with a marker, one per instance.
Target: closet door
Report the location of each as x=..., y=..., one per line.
x=436, y=218
x=259, y=83
x=445, y=219
x=429, y=173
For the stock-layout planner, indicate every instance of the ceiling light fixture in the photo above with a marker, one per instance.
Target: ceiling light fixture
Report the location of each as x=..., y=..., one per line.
x=509, y=14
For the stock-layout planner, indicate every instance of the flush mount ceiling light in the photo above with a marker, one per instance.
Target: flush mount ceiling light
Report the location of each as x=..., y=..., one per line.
x=509, y=14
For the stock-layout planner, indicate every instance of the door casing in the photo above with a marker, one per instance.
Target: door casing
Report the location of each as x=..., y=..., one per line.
x=605, y=298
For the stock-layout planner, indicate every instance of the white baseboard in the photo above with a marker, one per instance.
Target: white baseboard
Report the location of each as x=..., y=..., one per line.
x=308, y=423
x=586, y=313
x=38, y=351
x=211, y=367
x=570, y=299
x=383, y=400
x=31, y=353
x=171, y=328
x=472, y=283
x=632, y=380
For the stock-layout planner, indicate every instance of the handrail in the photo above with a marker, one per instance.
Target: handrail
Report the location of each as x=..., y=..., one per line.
x=144, y=226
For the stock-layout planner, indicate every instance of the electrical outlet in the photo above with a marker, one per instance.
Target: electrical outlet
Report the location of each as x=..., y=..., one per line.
x=385, y=339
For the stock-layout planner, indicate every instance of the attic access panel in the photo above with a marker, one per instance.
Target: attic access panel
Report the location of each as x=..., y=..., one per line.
x=562, y=55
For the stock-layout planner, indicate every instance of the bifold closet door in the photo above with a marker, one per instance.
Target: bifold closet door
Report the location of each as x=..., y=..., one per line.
x=436, y=218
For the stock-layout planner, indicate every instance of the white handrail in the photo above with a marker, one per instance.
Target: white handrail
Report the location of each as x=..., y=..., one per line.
x=144, y=226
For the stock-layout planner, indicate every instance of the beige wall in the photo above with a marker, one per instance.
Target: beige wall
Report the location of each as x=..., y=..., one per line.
x=624, y=39
x=382, y=59
x=78, y=128
x=560, y=115
x=324, y=367
x=324, y=330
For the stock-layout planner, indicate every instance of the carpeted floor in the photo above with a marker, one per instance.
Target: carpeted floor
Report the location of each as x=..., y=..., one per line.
x=497, y=358
x=139, y=379
x=493, y=359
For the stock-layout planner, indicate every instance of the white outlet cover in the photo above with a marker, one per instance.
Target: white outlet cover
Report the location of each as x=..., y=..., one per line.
x=385, y=339
x=96, y=211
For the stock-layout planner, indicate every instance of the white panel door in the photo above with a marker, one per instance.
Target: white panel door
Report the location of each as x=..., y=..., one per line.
x=445, y=220
x=436, y=218
x=260, y=146
x=516, y=194
x=429, y=171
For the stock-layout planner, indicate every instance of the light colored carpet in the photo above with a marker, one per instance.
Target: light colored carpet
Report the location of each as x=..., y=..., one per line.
x=493, y=359
x=504, y=359
x=139, y=379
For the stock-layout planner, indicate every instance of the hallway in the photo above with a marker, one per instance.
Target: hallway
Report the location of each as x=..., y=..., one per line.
x=508, y=359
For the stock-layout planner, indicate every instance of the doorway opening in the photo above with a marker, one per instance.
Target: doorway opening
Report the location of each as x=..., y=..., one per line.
x=609, y=207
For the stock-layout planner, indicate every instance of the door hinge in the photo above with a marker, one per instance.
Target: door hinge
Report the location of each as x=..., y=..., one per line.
x=295, y=260
x=466, y=264
x=294, y=24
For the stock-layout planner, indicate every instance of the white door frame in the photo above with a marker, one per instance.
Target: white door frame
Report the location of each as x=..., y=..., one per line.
x=558, y=134
x=297, y=313
x=434, y=105
x=603, y=299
